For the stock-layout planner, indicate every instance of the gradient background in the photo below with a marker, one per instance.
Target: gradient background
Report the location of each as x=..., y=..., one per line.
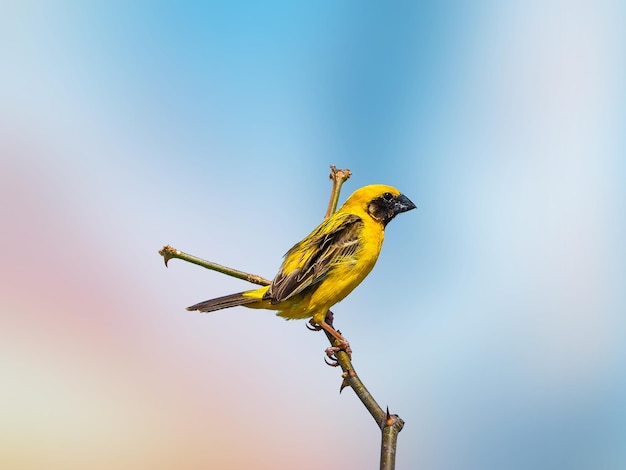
x=494, y=323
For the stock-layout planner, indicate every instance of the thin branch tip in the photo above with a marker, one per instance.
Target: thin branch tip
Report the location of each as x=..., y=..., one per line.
x=339, y=175
x=167, y=252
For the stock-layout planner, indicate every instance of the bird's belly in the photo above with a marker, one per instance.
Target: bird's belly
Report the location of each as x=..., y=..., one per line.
x=336, y=286
x=341, y=281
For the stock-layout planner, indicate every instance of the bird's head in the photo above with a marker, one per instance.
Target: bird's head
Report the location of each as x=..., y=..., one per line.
x=381, y=202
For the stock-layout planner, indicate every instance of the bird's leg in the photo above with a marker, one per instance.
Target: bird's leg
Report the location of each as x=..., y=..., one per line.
x=342, y=344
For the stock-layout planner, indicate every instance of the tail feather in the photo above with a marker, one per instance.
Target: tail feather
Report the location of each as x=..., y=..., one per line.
x=227, y=301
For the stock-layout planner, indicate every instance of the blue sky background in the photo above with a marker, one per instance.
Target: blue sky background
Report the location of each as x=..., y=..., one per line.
x=493, y=323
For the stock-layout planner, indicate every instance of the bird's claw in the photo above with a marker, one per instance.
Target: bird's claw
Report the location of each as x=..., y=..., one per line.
x=312, y=326
x=333, y=360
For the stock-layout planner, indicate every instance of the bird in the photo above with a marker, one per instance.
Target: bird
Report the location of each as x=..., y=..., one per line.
x=326, y=266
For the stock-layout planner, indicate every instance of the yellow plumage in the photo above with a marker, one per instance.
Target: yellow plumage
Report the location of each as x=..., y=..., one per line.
x=328, y=264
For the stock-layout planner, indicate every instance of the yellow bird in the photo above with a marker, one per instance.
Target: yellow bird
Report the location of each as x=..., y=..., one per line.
x=328, y=264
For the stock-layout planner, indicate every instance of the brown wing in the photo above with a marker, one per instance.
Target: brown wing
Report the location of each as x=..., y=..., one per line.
x=310, y=260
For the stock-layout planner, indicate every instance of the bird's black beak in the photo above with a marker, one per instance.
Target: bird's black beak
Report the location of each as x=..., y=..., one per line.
x=402, y=204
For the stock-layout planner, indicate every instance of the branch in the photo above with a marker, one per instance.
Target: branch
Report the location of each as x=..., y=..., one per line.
x=339, y=177
x=169, y=252
x=390, y=425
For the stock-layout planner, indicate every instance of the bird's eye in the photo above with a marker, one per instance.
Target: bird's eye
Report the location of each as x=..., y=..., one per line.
x=388, y=197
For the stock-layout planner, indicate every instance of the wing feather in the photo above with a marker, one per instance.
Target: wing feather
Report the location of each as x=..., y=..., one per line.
x=308, y=262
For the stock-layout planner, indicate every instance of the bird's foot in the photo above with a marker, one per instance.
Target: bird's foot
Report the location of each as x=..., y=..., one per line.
x=339, y=343
x=332, y=351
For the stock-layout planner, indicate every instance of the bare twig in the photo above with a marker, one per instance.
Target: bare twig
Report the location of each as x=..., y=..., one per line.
x=339, y=177
x=390, y=425
x=169, y=252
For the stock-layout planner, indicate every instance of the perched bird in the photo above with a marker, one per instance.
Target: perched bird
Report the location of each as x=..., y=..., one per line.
x=328, y=264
